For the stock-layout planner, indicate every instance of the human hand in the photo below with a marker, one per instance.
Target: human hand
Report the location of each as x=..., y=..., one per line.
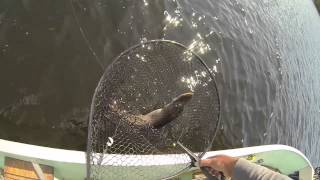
x=220, y=163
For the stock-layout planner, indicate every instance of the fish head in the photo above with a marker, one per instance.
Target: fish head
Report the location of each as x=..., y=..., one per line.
x=182, y=99
x=169, y=112
x=176, y=106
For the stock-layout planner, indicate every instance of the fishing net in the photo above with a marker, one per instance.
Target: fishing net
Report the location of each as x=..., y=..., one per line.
x=142, y=79
x=317, y=173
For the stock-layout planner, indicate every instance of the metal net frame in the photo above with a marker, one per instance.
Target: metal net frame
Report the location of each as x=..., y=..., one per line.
x=143, y=78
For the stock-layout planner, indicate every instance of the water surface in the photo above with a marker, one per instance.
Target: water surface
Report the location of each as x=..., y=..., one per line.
x=266, y=56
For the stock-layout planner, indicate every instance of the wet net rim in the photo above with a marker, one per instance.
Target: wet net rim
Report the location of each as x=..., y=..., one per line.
x=137, y=46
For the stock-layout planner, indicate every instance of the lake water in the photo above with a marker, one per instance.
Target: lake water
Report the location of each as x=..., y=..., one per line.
x=266, y=55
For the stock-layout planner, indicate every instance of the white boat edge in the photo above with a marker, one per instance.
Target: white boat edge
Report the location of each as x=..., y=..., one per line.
x=45, y=154
x=71, y=156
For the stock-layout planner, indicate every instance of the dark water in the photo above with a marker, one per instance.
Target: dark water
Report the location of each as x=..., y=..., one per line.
x=266, y=55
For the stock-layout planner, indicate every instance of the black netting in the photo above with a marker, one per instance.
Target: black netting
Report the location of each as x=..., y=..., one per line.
x=142, y=79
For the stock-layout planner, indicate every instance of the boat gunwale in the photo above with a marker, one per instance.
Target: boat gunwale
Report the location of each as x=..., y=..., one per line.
x=72, y=156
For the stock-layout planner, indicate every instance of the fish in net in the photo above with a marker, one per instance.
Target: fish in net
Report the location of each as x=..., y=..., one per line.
x=151, y=96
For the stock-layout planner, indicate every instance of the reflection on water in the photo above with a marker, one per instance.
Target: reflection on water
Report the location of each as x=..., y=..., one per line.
x=265, y=55
x=198, y=45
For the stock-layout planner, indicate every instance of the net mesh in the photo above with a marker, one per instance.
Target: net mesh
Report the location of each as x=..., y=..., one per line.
x=142, y=79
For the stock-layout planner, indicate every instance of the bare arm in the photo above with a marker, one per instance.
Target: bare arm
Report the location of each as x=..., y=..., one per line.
x=240, y=169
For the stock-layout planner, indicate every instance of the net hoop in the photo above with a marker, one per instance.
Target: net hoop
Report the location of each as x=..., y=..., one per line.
x=159, y=157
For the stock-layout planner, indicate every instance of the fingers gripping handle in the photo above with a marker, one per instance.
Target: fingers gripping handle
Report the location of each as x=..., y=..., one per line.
x=206, y=171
